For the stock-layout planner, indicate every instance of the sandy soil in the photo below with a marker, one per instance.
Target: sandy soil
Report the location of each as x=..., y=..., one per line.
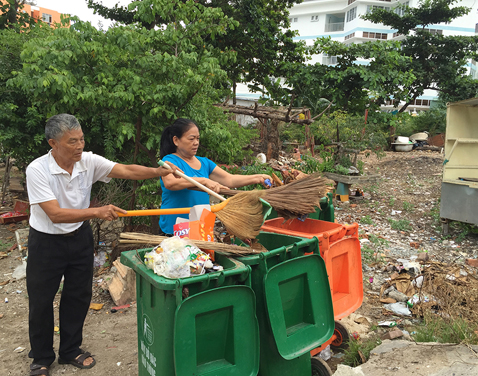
x=412, y=178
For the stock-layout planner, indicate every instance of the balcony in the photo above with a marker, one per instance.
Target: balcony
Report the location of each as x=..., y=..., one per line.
x=336, y=26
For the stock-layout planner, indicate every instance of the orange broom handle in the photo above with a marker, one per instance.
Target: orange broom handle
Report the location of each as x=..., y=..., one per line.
x=146, y=212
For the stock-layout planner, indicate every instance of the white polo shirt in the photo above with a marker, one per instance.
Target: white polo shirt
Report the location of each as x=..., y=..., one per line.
x=46, y=181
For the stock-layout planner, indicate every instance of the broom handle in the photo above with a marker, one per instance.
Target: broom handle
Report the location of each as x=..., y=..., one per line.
x=192, y=181
x=147, y=212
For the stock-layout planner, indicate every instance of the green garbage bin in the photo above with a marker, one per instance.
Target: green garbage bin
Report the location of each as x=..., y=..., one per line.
x=325, y=212
x=293, y=302
x=200, y=325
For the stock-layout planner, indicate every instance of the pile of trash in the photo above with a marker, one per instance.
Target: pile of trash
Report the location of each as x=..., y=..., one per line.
x=416, y=288
x=177, y=257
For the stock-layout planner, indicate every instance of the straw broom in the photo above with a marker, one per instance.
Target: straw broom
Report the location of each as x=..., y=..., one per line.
x=294, y=199
x=242, y=214
x=225, y=249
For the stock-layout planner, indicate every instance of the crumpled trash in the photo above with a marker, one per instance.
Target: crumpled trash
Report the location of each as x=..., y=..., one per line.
x=100, y=259
x=20, y=271
x=418, y=299
x=176, y=257
x=326, y=353
x=399, y=308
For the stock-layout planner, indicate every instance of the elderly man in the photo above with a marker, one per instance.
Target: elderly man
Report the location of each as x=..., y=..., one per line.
x=60, y=242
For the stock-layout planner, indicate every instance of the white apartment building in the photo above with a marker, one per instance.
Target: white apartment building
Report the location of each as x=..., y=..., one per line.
x=340, y=19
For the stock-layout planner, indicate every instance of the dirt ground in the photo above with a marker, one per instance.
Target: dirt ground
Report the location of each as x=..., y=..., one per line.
x=409, y=190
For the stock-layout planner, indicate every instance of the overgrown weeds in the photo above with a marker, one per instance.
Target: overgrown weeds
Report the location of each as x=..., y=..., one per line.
x=439, y=329
x=359, y=350
x=400, y=225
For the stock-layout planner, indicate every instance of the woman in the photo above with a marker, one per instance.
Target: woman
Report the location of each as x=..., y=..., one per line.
x=179, y=145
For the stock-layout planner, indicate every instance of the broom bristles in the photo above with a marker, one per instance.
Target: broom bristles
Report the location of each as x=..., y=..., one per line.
x=242, y=216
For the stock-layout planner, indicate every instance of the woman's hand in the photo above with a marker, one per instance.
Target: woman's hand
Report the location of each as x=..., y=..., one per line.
x=261, y=178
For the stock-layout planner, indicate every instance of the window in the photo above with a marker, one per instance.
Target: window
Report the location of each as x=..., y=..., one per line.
x=314, y=18
x=329, y=60
x=370, y=7
x=435, y=31
x=351, y=14
x=46, y=18
x=349, y=36
x=295, y=19
x=395, y=35
x=400, y=10
x=370, y=35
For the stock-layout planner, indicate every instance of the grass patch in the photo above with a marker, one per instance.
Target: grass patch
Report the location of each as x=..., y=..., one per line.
x=400, y=225
x=407, y=206
x=367, y=220
x=5, y=245
x=437, y=329
x=360, y=349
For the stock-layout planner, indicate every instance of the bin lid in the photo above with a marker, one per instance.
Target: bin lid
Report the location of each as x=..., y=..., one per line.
x=299, y=305
x=216, y=333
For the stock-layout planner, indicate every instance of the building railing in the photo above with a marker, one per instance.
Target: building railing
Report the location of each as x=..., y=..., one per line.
x=336, y=26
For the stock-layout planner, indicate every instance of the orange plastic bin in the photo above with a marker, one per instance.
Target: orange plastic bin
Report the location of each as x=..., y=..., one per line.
x=340, y=248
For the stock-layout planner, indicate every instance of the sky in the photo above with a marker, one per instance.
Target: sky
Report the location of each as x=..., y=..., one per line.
x=80, y=9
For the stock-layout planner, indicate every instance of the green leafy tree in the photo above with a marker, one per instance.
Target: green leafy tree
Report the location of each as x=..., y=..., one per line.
x=261, y=39
x=438, y=62
x=21, y=124
x=128, y=82
x=12, y=16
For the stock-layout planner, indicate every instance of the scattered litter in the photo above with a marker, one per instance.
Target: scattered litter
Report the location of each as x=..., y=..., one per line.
x=19, y=349
x=121, y=307
x=20, y=271
x=389, y=324
x=394, y=212
x=399, y=308
x=118, y=364
x=6, y=300
x=96, y=306
x=100, y=259
x=19, y=291
x=326, y=354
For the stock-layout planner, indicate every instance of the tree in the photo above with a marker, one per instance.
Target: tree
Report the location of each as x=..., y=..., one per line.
x=12, y=16
x=261, y=40
x=438, y=62
x=351, y=86
x=127, y=83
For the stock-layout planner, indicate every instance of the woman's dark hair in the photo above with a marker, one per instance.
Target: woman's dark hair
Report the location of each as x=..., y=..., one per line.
x=178, y=128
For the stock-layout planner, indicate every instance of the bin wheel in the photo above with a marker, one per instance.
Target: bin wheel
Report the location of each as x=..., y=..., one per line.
x=341, y=342
x=320, y=367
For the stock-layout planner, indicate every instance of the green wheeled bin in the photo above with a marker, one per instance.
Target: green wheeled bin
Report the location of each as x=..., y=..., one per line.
x=201, y=325
x=293, y=302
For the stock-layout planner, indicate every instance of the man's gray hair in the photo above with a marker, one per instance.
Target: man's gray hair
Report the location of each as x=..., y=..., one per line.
x=57, y=125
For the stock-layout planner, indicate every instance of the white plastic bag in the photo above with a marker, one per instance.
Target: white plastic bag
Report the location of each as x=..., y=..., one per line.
x=176, y=257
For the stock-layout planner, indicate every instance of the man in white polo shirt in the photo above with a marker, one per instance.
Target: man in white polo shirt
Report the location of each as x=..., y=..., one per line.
x=60, y=242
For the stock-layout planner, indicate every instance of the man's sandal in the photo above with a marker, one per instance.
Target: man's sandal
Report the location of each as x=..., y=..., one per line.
x=79, y=360
x=39, y=370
